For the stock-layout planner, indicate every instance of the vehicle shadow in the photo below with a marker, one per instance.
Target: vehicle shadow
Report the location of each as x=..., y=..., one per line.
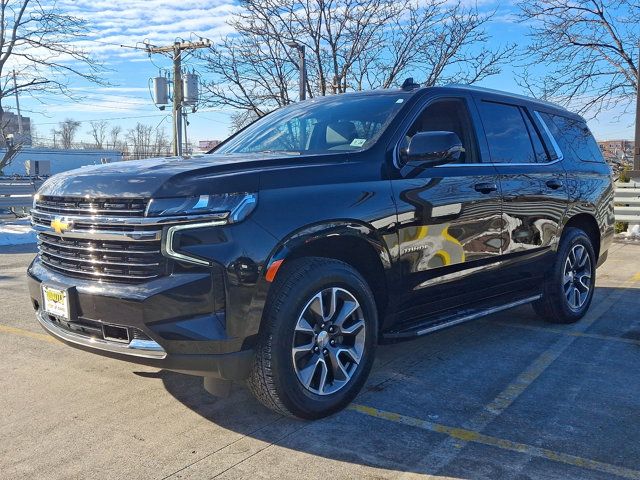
x=450, y=375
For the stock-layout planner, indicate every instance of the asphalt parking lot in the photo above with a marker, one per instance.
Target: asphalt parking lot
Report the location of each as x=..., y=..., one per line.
x=504, y=397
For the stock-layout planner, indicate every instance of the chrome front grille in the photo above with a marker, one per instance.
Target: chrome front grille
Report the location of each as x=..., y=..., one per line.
x=105, y=239
x=115, y=228
x=109, y=260
x=128, y=207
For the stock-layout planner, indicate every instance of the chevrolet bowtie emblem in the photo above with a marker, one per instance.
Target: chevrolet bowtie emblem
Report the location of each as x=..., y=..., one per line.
x=60, y=225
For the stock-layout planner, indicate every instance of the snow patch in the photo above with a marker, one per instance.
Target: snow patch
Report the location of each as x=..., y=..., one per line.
x=16, y=232
x=634, y=231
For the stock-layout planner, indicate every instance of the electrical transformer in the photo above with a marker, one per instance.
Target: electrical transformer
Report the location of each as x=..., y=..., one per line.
x=190, y=88
x=160, y=91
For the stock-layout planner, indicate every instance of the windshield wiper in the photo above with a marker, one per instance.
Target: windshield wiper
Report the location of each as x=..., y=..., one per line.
x=288, y=152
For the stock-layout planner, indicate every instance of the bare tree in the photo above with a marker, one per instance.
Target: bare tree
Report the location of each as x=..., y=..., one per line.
x=114, y=135
x=99, y=132
x=40, y=43
x=67, y=132
x=161, y=143
x=140, y=141
x=55, y=134
x=350, y=45
x=588, y=47
x=36, y=139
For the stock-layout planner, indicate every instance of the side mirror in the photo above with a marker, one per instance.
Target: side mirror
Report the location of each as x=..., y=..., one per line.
x=427, y=149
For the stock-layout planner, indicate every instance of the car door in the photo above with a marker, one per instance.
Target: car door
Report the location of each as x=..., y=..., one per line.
x=449, y=218
x=533, y=183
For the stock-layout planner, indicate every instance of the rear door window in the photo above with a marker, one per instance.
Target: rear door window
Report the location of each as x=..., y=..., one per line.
x=507, y=133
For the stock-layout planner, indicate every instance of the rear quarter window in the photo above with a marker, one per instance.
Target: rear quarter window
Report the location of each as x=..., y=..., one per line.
x=573, y=137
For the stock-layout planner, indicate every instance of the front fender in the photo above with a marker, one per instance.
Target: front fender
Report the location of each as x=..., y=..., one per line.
x=336, y=229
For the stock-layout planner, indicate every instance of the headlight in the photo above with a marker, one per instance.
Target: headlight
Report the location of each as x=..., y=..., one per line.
x=236, y=206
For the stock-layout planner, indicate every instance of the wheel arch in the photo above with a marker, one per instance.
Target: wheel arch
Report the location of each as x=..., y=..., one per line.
x=354, y=243
x=588, y=224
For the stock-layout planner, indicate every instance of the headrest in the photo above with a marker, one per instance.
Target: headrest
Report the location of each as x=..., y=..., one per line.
x=339, y=133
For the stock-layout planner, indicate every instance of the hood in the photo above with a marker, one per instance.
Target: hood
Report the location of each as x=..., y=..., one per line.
x=171, y=177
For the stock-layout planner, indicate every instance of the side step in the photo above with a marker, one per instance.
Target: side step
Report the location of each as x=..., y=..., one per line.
x=449, y=320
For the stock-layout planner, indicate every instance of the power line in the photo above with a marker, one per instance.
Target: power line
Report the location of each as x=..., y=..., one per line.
x=104, y=102
x=120, y=45
x=112, y=118
x=134, y=117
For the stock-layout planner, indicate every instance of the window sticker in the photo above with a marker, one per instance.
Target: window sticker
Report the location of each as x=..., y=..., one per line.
x=358, y=142
x=400, y=100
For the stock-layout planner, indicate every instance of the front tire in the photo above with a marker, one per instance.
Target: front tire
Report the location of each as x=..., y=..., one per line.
x=318, y=339
x=568, y=288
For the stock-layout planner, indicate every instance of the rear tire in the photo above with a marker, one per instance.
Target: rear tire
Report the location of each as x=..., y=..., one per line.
x=568, y=288
x=317, y=341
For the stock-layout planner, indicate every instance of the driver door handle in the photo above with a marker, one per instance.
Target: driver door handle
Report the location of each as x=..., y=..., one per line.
x=485, y=187
x=554, y=184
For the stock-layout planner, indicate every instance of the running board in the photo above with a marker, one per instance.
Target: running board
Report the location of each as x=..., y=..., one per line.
x=417, y=330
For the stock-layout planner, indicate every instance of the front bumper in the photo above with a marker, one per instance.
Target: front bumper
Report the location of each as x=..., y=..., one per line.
x=174, y=319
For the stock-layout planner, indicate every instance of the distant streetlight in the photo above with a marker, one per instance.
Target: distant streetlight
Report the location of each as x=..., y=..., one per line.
x=302, y=67
x=636, y=146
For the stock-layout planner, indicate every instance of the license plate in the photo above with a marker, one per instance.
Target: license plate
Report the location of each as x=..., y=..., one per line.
x=56, y=302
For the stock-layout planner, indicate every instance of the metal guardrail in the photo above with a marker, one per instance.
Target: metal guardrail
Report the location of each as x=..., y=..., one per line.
x=627, y=202
x=17, y=193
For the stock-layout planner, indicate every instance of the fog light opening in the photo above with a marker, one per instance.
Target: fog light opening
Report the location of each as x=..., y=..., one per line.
x=115, y=333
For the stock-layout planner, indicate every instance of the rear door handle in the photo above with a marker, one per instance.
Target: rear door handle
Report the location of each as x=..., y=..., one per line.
x=554, y=184
x=485, y=187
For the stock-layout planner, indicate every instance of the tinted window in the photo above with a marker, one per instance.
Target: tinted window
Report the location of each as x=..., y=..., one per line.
x=449, y=115
x=507, y=133
x=339, y=123
x=534, y=134
x=573, y=138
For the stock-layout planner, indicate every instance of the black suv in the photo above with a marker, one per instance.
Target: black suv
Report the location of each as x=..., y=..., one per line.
x=286, y=255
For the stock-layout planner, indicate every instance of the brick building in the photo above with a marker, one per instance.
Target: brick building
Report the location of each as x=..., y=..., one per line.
x=10, y=126
x=620, y=150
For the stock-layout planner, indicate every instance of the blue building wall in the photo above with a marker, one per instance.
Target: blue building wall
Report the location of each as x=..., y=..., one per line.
x=61, y=160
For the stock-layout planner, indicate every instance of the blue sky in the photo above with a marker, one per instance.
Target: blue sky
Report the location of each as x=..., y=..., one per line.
x=127, y=100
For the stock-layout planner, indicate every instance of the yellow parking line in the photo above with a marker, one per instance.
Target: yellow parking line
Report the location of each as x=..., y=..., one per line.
x=444, y=453
x=27, y=333
x=540, y=364
x=567, y=332
x=477, y=437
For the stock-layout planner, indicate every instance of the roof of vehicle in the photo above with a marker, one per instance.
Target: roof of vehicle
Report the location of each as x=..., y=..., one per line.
x=496, y=94
x=503, y=94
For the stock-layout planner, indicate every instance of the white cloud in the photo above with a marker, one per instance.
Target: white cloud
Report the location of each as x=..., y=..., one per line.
x=112, y=23
x=104, y=104
x=129, y=22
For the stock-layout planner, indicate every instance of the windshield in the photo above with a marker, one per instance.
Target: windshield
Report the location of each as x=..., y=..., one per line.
x=337, y=124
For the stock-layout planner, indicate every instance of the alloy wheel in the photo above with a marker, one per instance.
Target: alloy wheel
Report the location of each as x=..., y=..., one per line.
x=576, y=280
x=328, y=341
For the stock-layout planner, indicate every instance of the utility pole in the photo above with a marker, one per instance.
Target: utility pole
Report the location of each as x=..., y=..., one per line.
x=186, y=140
x=303, y=74
x=15, y=89
x=636, y=145
x=302, y=67
x=176, y=54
